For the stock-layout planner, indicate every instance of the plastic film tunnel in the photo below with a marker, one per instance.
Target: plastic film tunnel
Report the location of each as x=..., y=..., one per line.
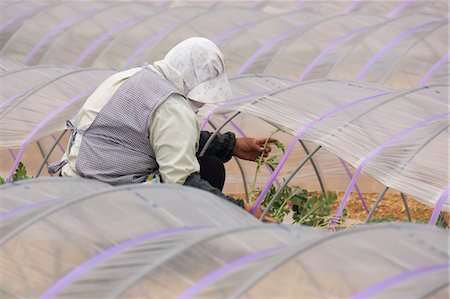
x=67, y=238
x=356, y=90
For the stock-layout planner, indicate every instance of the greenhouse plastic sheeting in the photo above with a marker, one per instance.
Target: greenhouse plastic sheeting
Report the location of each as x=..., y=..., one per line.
x=166, y=241
x=38, y=110
x=401, y=44
x=363, y=116
x=19, y=197
x=397, y=44
x=7, y=64
x=398, y=137
x=26, y=79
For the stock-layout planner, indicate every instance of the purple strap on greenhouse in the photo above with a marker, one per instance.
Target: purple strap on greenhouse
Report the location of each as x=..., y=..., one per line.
x=353, y=6
x=22, y=15
x=373, y=154
x=11, y=153
x=25, y=208
x=438, y=207
x=232, y=30
x=149, y=42
x=391, y=43
x=55, y=30
x=327, y=50
x=267, y=46
x=43, y=123
x=104, y=255
x=294, y=141
x=105, y=36
x=208, y=117
x=350, y=175
x=211, y=277
x=399, y=8
x=433, y=69
x=15, y=96
x=380, y=286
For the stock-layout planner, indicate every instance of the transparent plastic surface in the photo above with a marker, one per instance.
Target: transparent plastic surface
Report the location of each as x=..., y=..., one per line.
x=178, y=242
x=398, y=137
x=44, y=109
x=82, y=43
x=127, y=48
x=37, y=33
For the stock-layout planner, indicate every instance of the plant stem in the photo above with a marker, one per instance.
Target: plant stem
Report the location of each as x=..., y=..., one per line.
x=259, y=162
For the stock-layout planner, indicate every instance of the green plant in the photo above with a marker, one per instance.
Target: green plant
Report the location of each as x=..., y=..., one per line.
x=19, y=174
x=312, y=210
x=441, y=222
x=270, y=161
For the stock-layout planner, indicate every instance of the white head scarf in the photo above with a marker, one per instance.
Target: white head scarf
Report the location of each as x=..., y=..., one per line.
x=201, y=66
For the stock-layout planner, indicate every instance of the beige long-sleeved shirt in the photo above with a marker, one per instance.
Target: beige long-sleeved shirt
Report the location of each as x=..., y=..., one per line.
x=173, y=132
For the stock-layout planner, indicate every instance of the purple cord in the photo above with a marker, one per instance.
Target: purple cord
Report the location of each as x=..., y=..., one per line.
x=353, y=6
x=235, y=126
x=391, y=43
x=221, y=36
x=399, y=278
x=59, y=145
x=101, y=257
x=373, y=154
x=266, y=47
x=208, y=117
x=224, y=270
x=149, y=42
x=22, y=15
x=350, y=175
x=11, y=153
x=42, y=124
x=25, y=208
x=311, y=66
x=15, y=96
x=399, y=8
x=433, y=69
x=438, y=207
x=294, y=141
x=55, y=30
x=105, y=36
x=327, y=50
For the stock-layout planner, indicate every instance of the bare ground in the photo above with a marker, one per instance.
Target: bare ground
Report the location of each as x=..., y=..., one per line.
x=391, y=208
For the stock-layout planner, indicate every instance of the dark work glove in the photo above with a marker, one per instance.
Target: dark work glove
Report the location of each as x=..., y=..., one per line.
x=194, y=180
x=222, y=145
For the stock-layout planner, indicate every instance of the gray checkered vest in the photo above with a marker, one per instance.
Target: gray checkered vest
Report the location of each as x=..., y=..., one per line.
x=115, y=148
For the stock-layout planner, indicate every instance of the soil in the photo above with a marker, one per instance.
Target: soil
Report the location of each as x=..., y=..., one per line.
x=391, y=208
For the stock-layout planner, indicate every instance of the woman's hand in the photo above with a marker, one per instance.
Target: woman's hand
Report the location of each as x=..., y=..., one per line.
x=251, y=148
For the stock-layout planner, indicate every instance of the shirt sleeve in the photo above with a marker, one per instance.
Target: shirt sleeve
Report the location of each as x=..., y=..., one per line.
x=173, y=135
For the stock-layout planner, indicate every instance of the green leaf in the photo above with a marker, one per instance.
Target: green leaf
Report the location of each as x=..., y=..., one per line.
x=280, y=145
x=20, y=173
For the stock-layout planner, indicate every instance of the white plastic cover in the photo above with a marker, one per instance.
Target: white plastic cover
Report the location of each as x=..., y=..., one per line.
x=170, y=241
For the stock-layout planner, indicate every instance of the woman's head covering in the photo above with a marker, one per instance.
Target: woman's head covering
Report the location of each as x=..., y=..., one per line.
x=201, y=66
